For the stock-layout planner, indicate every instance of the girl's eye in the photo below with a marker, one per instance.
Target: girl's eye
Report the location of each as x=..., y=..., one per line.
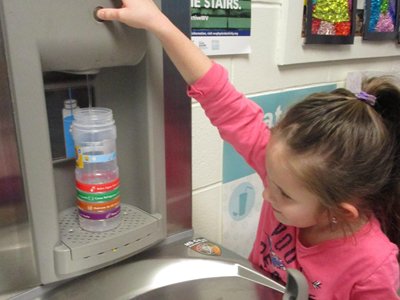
x=272, y=185
x=284, y=194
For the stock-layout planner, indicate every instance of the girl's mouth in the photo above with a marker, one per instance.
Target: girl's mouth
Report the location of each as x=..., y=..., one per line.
x=275, y=210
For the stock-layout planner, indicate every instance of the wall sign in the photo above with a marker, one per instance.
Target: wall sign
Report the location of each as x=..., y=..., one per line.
x=241, y=201
x=221, y=27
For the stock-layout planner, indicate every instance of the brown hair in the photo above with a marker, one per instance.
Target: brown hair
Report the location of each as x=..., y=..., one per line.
x=346, y=150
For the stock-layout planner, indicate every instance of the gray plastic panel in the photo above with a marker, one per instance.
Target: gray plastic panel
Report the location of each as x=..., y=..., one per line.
x=80, y=249
x=68, y=37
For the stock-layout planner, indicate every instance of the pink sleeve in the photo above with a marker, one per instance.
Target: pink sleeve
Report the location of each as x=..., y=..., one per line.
x=381, y=285
x=238, y=119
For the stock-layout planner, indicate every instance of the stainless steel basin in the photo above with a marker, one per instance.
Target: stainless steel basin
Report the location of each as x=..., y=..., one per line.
x=175, y=271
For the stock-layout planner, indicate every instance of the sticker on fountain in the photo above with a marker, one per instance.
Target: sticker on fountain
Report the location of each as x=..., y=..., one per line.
x=203, y=246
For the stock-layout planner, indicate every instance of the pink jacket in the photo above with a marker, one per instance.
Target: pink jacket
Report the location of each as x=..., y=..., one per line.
x=363, y=266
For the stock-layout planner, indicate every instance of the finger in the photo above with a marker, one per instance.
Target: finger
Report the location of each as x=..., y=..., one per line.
x=108, y=14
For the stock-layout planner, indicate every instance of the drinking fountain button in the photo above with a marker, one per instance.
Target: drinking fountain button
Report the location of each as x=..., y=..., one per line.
x=95, y=14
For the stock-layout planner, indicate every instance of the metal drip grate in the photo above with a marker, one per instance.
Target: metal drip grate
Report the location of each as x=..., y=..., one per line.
x=73, y=235
x=83, y=250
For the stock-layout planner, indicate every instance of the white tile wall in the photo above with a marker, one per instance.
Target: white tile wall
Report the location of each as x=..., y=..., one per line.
x=207, y=218
x=207, y=150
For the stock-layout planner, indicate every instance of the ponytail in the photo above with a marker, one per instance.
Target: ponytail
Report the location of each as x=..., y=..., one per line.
x=387, y=203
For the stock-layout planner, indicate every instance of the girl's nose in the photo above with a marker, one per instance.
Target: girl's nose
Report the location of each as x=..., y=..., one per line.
x=267, y=195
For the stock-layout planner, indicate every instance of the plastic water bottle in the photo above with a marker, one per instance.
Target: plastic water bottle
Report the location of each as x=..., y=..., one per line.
x=70, y=107
x=96, y=172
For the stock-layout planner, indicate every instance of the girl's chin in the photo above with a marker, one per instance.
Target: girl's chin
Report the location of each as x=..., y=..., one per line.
x=278, y=215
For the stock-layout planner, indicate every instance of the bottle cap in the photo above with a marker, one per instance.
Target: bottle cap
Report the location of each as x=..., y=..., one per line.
x=70, y=104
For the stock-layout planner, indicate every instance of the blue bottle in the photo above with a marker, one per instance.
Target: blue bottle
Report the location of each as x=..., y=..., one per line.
x=70, y=107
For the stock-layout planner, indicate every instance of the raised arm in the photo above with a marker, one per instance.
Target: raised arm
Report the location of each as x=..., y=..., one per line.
x=190, y=61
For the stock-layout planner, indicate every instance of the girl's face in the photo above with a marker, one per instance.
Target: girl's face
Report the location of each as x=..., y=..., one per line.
x=291, y=202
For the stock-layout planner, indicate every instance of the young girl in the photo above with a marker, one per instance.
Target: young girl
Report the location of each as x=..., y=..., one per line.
x=330, y=169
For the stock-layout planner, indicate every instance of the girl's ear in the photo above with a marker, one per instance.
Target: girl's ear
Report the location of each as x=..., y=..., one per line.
x=350, y=210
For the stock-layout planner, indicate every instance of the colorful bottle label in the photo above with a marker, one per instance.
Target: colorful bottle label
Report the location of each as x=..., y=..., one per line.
x=101, y=158
x=99, y=197
x=79, y=158
x=98, y=206
x=100, y=216
x=97, y=188
x=83, y=158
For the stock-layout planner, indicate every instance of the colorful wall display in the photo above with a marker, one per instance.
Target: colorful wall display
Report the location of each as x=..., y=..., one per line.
x=291, y=48
x=221, y=27
x=380, y=19
x=330, y=21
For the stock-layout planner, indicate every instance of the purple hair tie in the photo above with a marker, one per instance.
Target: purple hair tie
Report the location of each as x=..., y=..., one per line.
x=367, y=98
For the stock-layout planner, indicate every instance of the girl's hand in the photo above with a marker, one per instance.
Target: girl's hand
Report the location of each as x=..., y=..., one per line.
x=143, y=14
x=190, y=61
